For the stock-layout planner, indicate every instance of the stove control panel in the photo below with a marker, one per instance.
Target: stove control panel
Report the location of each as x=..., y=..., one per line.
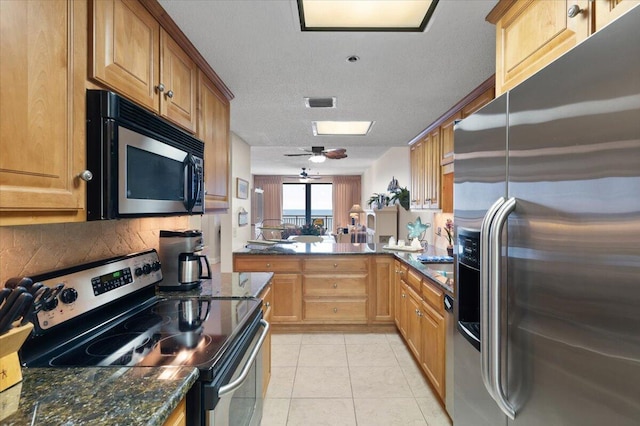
x=92, y=285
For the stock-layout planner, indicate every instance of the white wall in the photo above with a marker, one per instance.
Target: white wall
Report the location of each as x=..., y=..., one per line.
x=232, y=236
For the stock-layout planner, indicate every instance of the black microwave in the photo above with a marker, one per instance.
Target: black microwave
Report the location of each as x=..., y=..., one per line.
x=141, y=164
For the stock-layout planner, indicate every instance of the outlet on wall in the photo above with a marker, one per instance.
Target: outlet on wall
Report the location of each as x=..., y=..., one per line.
x=439, y=231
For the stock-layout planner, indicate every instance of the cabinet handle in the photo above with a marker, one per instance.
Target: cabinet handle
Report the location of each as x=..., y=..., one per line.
x=86, y=175
x=574, y=11
x=268, y=265
x=170, y=94
x=335, y=310
x=335, y=265
x=419, y=313
x=335, y=285
x=404, y=295
x=160, y=87
x=267, y=304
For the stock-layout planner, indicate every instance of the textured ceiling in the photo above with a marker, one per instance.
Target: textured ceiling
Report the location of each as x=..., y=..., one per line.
x=403, y=81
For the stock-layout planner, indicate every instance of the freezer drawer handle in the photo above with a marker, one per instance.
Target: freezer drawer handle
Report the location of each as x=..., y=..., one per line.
x=495, y=333
x=230, y=387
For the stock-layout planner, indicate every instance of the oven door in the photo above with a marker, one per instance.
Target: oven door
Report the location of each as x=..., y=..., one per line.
x=240, y=394
x=156, y=178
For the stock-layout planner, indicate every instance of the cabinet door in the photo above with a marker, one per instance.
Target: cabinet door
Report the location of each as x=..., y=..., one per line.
x=417, y=171
x=178, y=74
x=433, y=172
x=401, y=305
x=531, y=34
x=432, y=349
x=213, y=129
x=178, y=416
x=126, y=53
x=414, y=313
x=383, y=297
x=608, y=10
x=42, y=130
x=287, y=298
x=446, y=138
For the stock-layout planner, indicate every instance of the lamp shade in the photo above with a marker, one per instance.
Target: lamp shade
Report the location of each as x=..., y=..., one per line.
x=356, y=209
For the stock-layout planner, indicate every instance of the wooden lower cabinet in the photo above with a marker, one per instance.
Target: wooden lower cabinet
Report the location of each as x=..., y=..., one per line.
x=267, y=301
x=178, y=416
x=382, y=300
x=420, y=319
x=413, y=313
x=432, y=349
x=287, y=298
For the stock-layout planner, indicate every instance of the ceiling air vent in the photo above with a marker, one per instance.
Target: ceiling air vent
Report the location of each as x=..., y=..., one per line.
x=320, y=102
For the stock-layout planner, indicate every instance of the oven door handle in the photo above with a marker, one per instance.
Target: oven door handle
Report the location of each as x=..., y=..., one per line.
x=230, y=387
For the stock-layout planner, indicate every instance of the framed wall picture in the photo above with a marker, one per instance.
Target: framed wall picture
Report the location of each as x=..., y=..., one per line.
x=242, y=188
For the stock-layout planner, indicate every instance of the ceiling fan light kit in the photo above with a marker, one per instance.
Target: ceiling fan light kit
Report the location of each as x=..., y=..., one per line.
x=317, y=158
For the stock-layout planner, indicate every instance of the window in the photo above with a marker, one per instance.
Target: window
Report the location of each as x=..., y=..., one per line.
x=308, y=203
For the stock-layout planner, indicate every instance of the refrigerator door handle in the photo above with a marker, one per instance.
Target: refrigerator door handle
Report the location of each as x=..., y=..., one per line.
x=485, y=230
x=495, y=252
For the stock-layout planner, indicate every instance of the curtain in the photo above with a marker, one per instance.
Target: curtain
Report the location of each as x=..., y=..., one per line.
x=272, y=186
x=346, y=193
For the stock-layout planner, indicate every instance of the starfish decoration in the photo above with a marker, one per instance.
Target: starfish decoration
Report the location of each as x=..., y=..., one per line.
x=417, y=228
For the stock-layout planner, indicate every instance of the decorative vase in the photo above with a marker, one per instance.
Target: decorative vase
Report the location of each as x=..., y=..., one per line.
x=450, y=250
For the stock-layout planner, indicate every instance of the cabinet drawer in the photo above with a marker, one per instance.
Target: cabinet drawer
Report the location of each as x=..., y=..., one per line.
x=432, y=295
x=265, y=264
x=335, y=310
x=335, y=285
x=334, y=264
x=414, y=279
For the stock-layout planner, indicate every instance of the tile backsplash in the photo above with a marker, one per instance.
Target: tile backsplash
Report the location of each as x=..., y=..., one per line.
x=29, y=250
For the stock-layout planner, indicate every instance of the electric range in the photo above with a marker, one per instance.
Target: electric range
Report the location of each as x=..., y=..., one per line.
x=109, y=315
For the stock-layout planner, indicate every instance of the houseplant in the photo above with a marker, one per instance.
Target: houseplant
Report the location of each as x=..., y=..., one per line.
x=401, y=196
x=378, y=201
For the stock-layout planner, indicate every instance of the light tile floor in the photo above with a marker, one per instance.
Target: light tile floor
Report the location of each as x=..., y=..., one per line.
x=347, y=379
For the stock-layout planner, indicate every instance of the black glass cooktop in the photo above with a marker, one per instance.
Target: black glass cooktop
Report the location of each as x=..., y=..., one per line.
x=185, y=332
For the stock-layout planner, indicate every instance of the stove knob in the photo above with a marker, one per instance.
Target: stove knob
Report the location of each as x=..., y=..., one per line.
x=68, y=295
x=138, y=272
x=146, y=268
x=50, y=305
x=156, y=266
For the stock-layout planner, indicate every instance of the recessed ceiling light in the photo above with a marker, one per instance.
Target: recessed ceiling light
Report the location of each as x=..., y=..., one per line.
x=341, y=128
x=365, y=15
x=353, y=58
x=320, y=102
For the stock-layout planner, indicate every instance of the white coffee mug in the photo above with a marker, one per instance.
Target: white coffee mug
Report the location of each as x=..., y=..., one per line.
x=392, y=241
x=401, y=243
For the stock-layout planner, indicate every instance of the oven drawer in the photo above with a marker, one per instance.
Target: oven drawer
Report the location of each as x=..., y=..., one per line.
x=335, y=310
x=335, y=285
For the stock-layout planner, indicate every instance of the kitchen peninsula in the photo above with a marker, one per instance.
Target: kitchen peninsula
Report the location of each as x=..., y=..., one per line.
x=361, y=287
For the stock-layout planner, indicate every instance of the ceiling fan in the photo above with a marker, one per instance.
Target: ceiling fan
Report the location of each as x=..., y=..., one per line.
x=319, y=154
x=304, y=176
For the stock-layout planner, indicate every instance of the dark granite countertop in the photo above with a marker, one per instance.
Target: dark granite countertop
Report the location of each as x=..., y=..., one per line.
x=225, y=284
x=95, y=396
x=440, y=273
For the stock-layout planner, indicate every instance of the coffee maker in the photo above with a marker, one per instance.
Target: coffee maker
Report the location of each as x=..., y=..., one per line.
x=181, y=261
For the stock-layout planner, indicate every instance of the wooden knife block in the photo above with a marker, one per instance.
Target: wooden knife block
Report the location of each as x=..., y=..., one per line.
x=10, y=342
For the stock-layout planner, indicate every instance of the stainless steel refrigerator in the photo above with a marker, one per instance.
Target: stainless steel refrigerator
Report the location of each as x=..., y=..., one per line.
x=547, y=214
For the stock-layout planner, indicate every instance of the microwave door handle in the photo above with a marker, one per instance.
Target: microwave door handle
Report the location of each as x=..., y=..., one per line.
x=189, y=170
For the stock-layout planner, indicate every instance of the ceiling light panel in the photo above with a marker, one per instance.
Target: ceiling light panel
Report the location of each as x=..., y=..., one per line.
x=365, y=15
x=341, y=128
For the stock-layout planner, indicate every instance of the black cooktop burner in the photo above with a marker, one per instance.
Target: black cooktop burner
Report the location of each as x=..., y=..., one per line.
x=187, y=332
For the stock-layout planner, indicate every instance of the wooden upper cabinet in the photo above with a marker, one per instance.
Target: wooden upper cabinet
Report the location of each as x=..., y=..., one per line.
x=178, y=74
x=126, y=50
x=482, y=99
x=432, y=171
x=608, y=10
x=530, y=34
x=417, y=173
x=446, y=137
x=213, y=129
x=42, y=130
x=135, y=57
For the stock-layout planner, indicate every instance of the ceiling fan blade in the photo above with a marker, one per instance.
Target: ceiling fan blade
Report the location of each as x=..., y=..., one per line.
x=336, y=155
x=297, y=155
x=334, y=150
